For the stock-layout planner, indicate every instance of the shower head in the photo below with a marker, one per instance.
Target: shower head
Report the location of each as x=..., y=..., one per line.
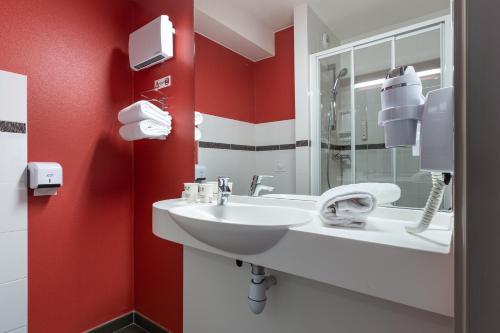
x=343, y=72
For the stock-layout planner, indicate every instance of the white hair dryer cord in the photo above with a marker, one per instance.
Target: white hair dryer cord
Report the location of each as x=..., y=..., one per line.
x=439, y=181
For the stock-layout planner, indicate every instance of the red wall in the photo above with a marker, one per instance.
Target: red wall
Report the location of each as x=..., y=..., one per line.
x=223, y=82
x=231, y=86
x=161, y=168
x=84, y=249
x=274, y=82
x=80, y=242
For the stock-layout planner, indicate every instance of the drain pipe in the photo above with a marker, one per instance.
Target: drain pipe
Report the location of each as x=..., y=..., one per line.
x=259, y=284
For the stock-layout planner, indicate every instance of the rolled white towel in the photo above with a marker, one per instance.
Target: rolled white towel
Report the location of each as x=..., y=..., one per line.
x=143, y=110
x=349, y=205
x=146, y=129
x=198, y=118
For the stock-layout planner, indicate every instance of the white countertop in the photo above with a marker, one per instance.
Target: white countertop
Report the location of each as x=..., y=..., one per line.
x=385, y=226
x=381, y=260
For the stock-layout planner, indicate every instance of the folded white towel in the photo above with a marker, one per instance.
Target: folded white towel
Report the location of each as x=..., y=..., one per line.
x=198, y=118
x=349, y=205
x=197, y=134
x=146, y=129
x=143, y=110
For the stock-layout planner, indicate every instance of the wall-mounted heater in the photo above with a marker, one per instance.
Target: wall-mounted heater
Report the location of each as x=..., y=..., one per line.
x=152, y=44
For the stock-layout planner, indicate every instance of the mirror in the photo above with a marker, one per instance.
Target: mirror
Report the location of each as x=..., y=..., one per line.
x=293, y=91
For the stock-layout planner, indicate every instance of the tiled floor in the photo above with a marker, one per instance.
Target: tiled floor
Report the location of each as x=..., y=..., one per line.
x=131, y=329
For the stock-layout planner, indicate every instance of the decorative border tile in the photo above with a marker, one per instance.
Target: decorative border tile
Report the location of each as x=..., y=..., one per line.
x=288, y=146
x=340, y=147
x=371, y=146
x=358, y=147
x=266, y=148
x=12, y=127
x=214, y=145
x=242, y=147
x=303, y=143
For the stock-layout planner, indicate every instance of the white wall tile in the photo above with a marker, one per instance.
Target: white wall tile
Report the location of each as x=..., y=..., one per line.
x=281, y=165
x=242, y=165
x=13, y=205
x=13, y=148
x=13, y=208
x=302, y=170
x=13, y=256
x=13, y=305
x=225, y=130
x=23, y=329
x=13, y=96
x=275, y=133
x=236, y=164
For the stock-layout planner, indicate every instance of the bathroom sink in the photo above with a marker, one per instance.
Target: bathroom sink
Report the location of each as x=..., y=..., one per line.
x=238, y=228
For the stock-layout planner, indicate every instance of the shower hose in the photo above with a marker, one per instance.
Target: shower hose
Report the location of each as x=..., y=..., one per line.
x=439, y=182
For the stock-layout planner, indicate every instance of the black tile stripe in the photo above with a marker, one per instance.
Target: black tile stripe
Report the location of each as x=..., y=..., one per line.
x=371, y=146
x=301, y=143
x=232, y=146
x=265, y=148
x=242, y=147
x=12, y=127
x=340, y=147
x=358, y=147
x=287, y=146
x=216, y=145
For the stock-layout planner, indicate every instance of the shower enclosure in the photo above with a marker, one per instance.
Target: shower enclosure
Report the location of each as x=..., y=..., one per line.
x=347, y=145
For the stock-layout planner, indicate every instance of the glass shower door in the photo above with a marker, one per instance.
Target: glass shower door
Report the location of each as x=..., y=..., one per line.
x=373, y=162
x=335, y=119
x=421, y=49
x=347, y=144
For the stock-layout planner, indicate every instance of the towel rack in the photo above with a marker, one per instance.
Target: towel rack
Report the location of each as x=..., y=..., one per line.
x=160, y=98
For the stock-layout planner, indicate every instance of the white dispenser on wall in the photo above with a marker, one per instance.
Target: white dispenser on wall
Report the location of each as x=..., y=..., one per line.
x=44, y=178
x=152, y=44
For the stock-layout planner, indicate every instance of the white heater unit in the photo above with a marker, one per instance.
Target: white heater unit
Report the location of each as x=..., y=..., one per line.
x=152, y=44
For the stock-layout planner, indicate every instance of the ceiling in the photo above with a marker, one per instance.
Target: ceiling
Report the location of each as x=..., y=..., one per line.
x=342, y=16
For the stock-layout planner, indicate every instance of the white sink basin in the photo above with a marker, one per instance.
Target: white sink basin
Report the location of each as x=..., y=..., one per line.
x=239, y=228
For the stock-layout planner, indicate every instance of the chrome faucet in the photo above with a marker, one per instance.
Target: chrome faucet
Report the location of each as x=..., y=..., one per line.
x=224, y=191
x=257, y=186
